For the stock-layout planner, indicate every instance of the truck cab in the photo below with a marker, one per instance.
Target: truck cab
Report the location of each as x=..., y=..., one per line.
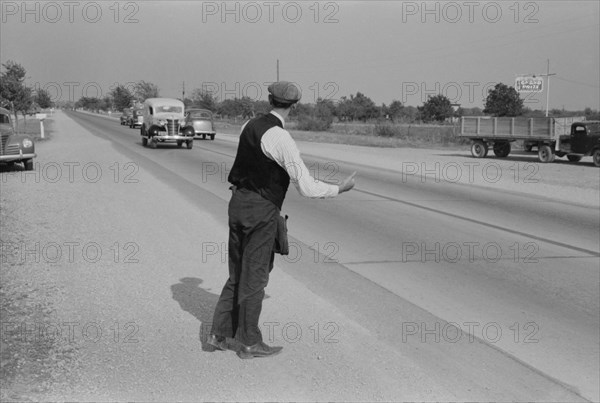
x=584, y=140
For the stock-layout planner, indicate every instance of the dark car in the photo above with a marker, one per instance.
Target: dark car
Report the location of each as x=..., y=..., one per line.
x=126, y=116
x=202, y=122
x=14, y=147
x=136, y=119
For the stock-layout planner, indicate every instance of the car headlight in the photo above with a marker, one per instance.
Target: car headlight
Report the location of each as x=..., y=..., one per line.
x=27, y=143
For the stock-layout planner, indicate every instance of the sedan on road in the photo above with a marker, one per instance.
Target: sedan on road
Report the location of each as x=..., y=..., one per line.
x=202, y=122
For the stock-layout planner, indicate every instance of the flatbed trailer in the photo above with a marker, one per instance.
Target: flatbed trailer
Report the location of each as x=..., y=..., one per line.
x=572, y=136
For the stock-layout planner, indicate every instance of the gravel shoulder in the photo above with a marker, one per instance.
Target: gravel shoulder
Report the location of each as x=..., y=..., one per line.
x=125, y=309
x=115, y=291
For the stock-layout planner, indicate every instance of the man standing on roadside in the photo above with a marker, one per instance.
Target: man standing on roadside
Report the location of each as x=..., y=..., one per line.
x=267, y=161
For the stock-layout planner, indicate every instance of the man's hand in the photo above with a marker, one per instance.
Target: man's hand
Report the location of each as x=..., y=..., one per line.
x=347, y=183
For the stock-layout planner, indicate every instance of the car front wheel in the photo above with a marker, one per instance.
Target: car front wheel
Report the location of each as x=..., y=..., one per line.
x=28, y=164
x=596, y=157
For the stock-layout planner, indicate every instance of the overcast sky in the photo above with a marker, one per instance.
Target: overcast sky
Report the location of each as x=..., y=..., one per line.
x=385, y=49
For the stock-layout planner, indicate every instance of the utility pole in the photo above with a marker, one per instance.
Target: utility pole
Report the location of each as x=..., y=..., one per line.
x=547, y=75
x=183, y=92
x=277, y=69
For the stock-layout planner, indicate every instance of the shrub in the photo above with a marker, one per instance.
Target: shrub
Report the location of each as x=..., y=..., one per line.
x=309, y=123
x=388, y=130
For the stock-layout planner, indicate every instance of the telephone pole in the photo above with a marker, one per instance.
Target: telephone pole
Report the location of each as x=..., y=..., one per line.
x=547, y=75
x=277, y=69
x=183, y=92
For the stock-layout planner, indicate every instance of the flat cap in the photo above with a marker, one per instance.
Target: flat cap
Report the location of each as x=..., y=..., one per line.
x=285, y=92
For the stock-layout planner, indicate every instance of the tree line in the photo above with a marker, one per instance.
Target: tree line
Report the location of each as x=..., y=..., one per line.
x=502, y=100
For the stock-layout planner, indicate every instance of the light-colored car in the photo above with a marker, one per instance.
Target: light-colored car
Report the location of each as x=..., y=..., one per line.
x=14, y=147
x=164, y=122
x=202, y=122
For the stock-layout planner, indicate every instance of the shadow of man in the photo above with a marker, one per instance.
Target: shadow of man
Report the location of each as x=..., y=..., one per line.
x=201, y=304
x=198, y=302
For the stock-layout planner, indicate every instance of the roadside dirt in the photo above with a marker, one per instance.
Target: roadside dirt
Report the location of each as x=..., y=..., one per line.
x=106, y=295
x=111, y=284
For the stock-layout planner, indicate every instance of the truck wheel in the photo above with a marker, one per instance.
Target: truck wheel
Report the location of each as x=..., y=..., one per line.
x=574, y=158
x=179, y=143
x=190, y=144
x=596, y=157
x=212, y=136
x=152, y=143
x=153, y=131
x=145, y=141
x=479, y=149
x=203, y=136
x=502, y=149
x=546, y=154
x=28, y=165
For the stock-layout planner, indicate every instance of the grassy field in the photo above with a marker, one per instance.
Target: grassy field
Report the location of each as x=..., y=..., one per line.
x=364, y=134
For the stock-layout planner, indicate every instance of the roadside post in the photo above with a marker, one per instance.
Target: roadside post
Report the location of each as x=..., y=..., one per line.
x=41, y=117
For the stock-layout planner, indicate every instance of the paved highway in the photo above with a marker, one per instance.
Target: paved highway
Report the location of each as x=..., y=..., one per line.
x=495, y=294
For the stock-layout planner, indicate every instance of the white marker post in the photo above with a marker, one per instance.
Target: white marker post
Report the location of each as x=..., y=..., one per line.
x=41, y=117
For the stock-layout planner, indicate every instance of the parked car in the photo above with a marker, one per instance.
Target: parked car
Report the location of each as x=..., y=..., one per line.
x=127, y=114
x=14, y=147
x=164, y=122
x=137, y=118
x=202, y=122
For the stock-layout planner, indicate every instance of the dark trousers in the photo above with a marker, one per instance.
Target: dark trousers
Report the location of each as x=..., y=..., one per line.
x=252, y=231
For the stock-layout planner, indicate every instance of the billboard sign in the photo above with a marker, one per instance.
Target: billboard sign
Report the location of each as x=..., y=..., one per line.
x=529, y=84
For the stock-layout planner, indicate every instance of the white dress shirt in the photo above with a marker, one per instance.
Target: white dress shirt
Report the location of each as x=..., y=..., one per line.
x=278, y=145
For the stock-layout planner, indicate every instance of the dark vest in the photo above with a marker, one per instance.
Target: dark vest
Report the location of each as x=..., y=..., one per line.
x=252, y=169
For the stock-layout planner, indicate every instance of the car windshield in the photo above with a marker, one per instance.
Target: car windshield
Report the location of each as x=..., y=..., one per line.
x=168, y=109
x=200, y=114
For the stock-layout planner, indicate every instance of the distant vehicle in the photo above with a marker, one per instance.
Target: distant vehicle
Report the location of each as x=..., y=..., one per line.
x=202, y=122
x=550, y=135
x=164, y=122
x=137, y=118
x=14, y=147
x=125, y=116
